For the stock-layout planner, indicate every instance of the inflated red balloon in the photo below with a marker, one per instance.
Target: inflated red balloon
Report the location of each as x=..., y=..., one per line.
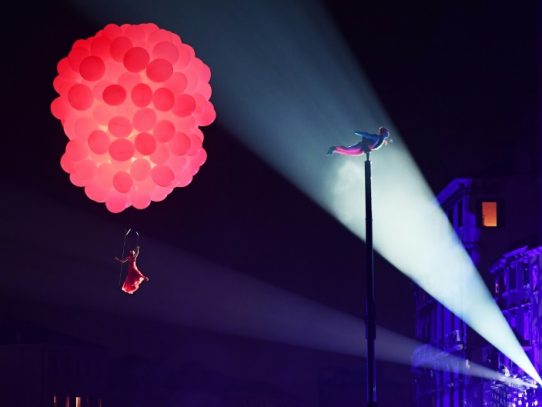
x=131, y=101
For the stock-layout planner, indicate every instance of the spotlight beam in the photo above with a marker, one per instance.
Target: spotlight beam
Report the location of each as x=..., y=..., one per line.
x=189, y=291
x=288, y=88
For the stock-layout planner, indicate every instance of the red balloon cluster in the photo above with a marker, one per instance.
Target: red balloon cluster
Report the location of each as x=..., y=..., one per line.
x=131, y=101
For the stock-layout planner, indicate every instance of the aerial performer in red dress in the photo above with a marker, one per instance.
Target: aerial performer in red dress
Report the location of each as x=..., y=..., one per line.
x=134, y=277
x=369, y=142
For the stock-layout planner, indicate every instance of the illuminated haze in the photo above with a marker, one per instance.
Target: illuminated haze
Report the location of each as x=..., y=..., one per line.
x=285, y=83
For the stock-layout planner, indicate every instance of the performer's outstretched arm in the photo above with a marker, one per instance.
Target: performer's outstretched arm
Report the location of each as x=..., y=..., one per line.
x=364, y=134
x=122, y=260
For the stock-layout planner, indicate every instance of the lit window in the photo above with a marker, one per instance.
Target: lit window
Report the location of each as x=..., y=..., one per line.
x=489, y=214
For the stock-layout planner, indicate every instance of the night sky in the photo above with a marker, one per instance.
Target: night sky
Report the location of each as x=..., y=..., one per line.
x=458, y=80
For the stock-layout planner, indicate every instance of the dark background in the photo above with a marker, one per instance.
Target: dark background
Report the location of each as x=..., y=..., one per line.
x=458, y=79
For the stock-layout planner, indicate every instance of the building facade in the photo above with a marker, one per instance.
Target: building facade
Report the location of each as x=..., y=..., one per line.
x=490, y=217
x=517, y=284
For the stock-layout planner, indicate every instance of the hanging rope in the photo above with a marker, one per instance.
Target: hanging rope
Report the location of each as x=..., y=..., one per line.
x=122, y=254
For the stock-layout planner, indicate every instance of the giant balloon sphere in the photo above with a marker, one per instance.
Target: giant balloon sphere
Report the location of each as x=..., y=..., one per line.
x=131, y=101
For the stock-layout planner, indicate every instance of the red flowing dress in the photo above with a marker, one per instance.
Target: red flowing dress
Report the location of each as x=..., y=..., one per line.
x=134, y=277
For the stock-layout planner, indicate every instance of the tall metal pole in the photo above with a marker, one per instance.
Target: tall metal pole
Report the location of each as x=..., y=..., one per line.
x=370, y=317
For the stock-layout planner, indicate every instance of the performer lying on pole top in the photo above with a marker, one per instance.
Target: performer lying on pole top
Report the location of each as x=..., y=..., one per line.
x=369, y=142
